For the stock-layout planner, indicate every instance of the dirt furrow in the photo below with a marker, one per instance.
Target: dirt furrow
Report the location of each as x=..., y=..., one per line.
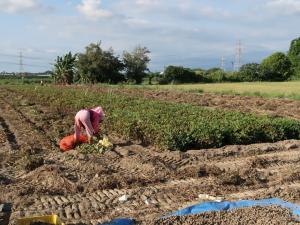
x=288, y=192
x=237, y=151
x=11, y=110
x=7, y=134
x=23, y=129
x=275, y=159
x=157, y=198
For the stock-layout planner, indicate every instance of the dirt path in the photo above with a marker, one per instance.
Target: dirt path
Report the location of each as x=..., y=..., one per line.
x=38, y=179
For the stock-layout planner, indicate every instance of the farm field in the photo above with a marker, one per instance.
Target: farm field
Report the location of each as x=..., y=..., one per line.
x=250, y=104
x=86, y=188
x=288, y=89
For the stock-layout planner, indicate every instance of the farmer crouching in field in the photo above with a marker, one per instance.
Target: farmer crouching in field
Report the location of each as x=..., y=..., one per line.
x=88, y=119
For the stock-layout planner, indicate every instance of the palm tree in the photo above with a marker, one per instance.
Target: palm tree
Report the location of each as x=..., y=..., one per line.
x=64, y=69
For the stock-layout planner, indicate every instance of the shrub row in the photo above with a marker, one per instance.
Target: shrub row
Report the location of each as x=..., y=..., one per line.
x=167, y=125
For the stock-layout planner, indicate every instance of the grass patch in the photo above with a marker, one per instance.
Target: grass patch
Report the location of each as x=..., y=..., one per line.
x=289, y=89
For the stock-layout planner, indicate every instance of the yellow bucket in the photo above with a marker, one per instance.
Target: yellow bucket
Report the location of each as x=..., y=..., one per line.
x=51, y=219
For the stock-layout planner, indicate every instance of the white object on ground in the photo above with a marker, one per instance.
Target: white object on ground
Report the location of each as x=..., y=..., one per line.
x=123, y=198
x=147, y=202
x=210, y=198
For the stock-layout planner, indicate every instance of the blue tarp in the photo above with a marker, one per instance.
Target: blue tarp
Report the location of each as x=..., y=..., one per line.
x=120, y=222
x=219, y=206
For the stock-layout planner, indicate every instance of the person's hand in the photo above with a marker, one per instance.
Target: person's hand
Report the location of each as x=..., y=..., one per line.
x=90, y=139
x=98, y=136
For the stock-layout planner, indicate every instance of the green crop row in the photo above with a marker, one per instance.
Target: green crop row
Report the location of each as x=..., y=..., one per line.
x=167, y=125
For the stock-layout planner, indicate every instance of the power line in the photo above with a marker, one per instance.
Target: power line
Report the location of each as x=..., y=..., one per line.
x=26, y=57
x=21, y=63
x=21, y=60
x=35, y=65
x=6, y=62
x=37, y=58
x=24, y=64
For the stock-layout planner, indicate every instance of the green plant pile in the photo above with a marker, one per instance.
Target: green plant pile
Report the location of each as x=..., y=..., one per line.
x=89, y=148
x=167, y=125
x=100, y=146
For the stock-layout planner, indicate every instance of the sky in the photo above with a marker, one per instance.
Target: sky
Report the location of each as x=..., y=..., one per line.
x=189, y=33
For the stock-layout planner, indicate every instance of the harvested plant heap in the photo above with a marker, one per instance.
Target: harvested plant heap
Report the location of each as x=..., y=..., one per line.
x=100, y=146
x=167, y=125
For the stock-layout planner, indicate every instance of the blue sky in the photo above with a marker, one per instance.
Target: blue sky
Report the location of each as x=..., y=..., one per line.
x=190, y=33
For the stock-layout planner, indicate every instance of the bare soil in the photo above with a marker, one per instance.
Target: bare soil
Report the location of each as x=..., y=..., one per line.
x=38, y=179
x=271, y=215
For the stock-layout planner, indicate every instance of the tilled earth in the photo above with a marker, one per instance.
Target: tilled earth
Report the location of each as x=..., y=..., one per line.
x=132, y=180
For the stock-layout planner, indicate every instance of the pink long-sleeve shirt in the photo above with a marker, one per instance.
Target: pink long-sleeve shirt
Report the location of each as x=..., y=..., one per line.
x=88, y=119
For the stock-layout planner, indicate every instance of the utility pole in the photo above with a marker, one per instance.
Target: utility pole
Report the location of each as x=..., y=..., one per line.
x=223, y=63
x=21, y=65
x=238, y=54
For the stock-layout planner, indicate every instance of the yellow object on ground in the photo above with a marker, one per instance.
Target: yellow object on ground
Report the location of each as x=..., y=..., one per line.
x=50, y=219
x=100, y=146
x=104, y=145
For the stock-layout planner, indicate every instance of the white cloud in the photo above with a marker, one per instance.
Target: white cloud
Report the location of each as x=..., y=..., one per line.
x=208, y=28
x=209, y=11
x=92, y=10
x=13, y=6
x=147, y=3
x=135, y=22
x=285, y=6
x=199, y=9
x=51, y=51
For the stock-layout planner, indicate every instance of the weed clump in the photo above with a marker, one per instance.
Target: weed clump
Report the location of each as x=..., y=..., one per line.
x=32, y=162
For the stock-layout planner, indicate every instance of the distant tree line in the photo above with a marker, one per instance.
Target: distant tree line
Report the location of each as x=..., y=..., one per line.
x=276, y=67
x=97, y=65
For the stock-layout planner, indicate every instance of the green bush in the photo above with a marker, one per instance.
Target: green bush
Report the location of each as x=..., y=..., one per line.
x=294, y=56
x=179, y=74
x=276, y=67
x=250, y=72
x=217, y=75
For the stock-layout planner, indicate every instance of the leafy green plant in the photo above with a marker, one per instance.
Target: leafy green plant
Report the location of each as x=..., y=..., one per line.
x=100, y=146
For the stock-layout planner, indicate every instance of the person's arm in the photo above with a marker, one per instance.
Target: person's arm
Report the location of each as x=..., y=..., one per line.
x=88, y=127
x=77, y=129
x=95, y=124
